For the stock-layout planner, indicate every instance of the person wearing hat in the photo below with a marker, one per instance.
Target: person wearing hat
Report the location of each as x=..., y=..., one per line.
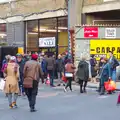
x=21, y=64
x=32, y=74
x=11, y=84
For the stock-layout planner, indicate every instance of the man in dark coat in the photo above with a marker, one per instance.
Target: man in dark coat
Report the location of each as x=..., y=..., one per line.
x=83, y=74
x=50, y=69
x=21, y=64
x=60, y=66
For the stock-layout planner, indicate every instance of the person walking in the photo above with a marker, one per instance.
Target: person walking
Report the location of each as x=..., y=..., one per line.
x=93, y=63
x=60, y=68
x=69, y=74
x=105, y=75
x=32, y=74
x=44, y=68
x=83, y=74
x=11, y=84
x=21, y=64
x=113, y=63
x=50, y=69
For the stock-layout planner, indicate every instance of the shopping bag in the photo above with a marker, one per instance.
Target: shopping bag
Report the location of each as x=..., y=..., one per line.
x=64, y=78
x=2, y=84
x=110, y=85
x=118, y=100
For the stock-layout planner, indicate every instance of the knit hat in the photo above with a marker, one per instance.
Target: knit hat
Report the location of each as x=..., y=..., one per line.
x=13, y=58
x=34, y=56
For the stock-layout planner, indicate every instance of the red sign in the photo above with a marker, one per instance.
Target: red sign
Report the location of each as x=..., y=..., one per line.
x=91, y=32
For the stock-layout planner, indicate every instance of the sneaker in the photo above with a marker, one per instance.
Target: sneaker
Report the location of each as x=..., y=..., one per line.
x=14, y=105
x=10, y=106
x=65, y=90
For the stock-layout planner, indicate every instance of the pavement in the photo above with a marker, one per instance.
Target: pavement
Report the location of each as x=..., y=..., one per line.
x=55, y=104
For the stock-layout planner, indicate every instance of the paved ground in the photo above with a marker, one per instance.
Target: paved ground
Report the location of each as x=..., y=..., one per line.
x=54, y=104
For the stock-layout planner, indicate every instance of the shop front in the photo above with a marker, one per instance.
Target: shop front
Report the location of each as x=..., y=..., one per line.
x=47, y=35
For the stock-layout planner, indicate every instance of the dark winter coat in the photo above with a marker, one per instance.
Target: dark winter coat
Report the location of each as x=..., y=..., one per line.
x=93, y=64
x=83, y=71
x=105, y=73
x=50, y=63
x=21, y=68
x=60, y=65
x=113, y=63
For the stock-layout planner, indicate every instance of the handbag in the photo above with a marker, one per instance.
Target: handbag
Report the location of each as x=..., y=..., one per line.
x=110, y=85
x=67, y=74
x=2, y=84
x=64, y=78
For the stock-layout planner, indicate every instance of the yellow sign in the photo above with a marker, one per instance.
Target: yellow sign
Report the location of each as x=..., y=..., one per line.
x=101, y=48
x=20, y=50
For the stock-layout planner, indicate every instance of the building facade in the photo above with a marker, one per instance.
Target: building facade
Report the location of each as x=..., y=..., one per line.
x=39, y=25
x=98, y=31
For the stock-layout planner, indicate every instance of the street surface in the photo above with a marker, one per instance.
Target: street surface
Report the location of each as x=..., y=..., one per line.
x=54, y=104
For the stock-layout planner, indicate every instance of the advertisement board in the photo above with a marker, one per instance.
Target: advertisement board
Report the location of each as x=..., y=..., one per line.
x=101, y=48
x=91, y=32
x=47, y=42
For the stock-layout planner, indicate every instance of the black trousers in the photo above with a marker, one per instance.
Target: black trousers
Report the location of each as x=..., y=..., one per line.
x=69, y=83
x=31, y=94
x=83, y=85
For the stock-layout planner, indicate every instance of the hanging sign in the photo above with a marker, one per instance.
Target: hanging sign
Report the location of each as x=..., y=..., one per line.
x=47, y=42
x=110, y=32
x=91, y=32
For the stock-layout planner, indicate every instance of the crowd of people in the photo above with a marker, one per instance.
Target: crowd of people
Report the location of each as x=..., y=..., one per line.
x=22, y=74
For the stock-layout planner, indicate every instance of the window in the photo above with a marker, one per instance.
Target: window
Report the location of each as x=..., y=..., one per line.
x=3, y=35
x=32, y=36
x=63, y=34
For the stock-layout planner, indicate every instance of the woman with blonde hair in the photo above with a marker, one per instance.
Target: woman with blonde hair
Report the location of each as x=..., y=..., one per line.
x=11, y=85
x=83, y=74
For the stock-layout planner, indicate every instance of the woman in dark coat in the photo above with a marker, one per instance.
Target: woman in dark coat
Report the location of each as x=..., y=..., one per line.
x=93, y=63
x=105, y=75
x=83, y=74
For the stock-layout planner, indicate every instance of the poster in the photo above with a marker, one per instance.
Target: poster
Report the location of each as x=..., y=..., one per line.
x=91, y=32
x=110, y=32
x=101, y=48
x=47, y=42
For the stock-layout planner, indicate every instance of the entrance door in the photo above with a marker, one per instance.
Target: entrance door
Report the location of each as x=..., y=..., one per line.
x=48, y=50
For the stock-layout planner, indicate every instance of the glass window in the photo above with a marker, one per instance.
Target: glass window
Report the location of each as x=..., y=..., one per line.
x=3, y=35
x=32, y=36
x=48, y=28
x=62, y=34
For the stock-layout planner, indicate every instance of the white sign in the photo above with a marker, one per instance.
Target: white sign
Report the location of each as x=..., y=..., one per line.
x=110, y=32
x=47, y=42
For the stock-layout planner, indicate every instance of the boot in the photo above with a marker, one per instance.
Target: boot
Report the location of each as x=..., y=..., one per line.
x=102, y=91
x=81, y=91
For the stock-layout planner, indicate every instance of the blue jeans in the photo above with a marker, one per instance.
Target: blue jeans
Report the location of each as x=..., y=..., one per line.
x=51, y=73
x=21, y=87
x=114, y=75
